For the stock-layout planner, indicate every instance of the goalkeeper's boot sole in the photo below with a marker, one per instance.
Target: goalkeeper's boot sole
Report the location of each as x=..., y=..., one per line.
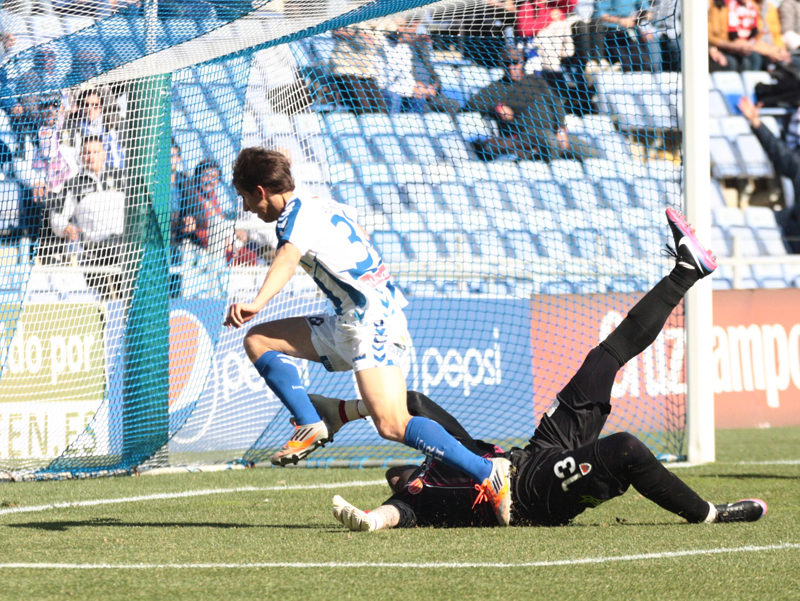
x=351, y=517
x=749, y=510
x=305, y=440
x=497, y=490
x=688, y=248
x=328, y=410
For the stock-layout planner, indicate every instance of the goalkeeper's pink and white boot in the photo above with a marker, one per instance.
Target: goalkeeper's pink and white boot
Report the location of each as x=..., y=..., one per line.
x=688, y=249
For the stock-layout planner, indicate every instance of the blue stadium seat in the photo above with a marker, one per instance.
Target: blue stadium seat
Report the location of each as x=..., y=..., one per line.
x=650, y=242
x=458, y=244
x=658, y=110
x=717, y=198
x=231, y=105
x=726, y=217
x=554, y=244
x=440, y=172
x=620, y=245
x=614, y=145
x=356, y=149
x=352, y=194
x=616, y=194
x=388, y=198
x=455, y=149
x=774, y=283
x=180, y=30
x=556, y=287
x=718, y=106
x=205, y=119
x=407, y=172
x=474, y=78
x=724, y=162
x=583, y=194
x=423, y=198
x=734, y=126
x=535, y=171
x=771, y=240
x=424, y=246
x=376, y=124
x=342, y=124
x=523, y=245
x=421, y=149
x=588, y=286
x=752, y=78
x=732, y=88
x=317, y=148
x=563, y=169
x=520, y=196
x=390, y=246
x=720, y=283
x=626, y=285
x=629, y=111
x=748, y=245
x=762, y=273
x=490, y=244
x=490, y=196
x=760, y=217
x=308, y=173
x=757, y=163
x=550, y=195
x=390, y=148
x=439, y=124
x=473, y=126
x=648, y=194
x=503, y=171
x=457, y=197
x=450, y=79
x=587, y=243
x=424, y=288
x=719, y=242
x=308, y=124
x=9, y=205
x=375, y=173
x=409, y=124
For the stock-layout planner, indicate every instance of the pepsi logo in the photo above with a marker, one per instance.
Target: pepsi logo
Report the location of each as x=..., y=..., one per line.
x=190, y=355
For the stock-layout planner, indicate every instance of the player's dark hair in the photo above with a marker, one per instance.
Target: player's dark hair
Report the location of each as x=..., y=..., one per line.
x=258, y=166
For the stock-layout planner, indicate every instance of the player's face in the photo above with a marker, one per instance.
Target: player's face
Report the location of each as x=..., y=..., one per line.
x=261, y=203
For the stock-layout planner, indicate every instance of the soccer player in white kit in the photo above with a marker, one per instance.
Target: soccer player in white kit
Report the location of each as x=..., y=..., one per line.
x=369, y=333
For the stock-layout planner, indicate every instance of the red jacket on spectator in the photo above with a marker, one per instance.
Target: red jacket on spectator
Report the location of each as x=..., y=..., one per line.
x=534, y=15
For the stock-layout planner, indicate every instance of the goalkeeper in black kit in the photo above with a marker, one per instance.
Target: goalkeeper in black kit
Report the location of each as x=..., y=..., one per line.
x=566, y=468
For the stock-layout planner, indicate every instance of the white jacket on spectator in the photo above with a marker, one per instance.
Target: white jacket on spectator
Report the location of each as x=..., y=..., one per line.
x=554, y=43
x=396, y=69
x=95, y=204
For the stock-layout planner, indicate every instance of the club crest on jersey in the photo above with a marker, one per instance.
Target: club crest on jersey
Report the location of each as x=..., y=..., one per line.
x=585, y=468
x=415, y=486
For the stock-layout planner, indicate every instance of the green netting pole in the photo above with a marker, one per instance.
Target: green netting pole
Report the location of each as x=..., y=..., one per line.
x=145, y=415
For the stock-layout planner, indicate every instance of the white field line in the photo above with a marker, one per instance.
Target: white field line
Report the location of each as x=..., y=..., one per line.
x=682, y=464
x=185, y=494
x=416, y=565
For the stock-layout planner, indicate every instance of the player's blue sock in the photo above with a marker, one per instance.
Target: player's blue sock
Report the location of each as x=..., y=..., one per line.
x=280, y=374
x=429, y=437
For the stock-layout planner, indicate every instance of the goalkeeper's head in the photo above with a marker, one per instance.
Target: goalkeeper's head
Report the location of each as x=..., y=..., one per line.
x=264, y=180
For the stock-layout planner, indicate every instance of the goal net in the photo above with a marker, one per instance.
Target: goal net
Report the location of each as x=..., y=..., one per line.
x=512, y=165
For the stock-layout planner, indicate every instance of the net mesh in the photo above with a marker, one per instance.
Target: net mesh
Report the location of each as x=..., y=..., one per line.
x=514, y=183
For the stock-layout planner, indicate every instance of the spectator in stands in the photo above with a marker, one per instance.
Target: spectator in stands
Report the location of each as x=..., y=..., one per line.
x=8, y=42
x=789, y=18
x=717, y=61
x=177, y=184
x=411, y=80
x=91, y=210
x=530, y=118
x=206, y=204
x=96, y=118
x=629, y=41
x=354, y=70
x=736, y=29
x=484, y=29
x=532, y=17
x=240, y=251
x=786, y=163
x=562, y=66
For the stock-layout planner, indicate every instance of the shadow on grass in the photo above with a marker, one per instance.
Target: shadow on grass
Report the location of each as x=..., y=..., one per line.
x=63, y=526
x=750, y=476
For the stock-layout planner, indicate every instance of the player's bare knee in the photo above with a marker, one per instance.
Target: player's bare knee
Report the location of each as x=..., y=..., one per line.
x=256, y=345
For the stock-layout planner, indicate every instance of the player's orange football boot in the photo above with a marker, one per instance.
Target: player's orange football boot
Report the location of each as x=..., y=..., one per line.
x=302, y=443
x=497, y=490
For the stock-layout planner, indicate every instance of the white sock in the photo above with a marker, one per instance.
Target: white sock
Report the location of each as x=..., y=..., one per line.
x=355, y=409
x=712, y=514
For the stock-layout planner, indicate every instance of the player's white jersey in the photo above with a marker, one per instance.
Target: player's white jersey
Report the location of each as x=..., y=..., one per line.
x=337, y=254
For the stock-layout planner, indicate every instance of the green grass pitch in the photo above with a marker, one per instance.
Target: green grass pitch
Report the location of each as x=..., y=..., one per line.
x=231, y=531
